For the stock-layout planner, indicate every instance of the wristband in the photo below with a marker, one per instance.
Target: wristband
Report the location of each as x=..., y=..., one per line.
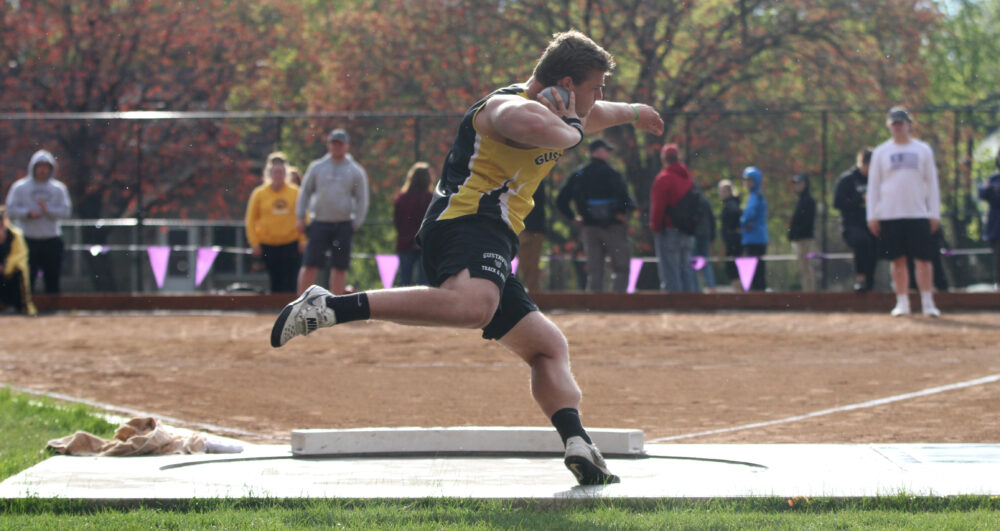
x=636, y=109
x=576, y=124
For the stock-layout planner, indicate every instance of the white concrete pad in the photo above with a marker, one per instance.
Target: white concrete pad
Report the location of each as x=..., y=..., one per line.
x=455, y=440
x=669, y=471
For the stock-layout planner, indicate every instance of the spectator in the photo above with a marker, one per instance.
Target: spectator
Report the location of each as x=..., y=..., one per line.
x=673, y=247
x=989, y=191
x=15, y=289
x=272, y=232
x=507, y=142
x=602, y=202
x=801, y=231
x=753, y=226
x=334, y=195
x=849, y=198
x=409, y=208
x=294, y=175
x=35, y=204
x=729, y=222
x=532, y=238
x=704, y=235
x=904, y=209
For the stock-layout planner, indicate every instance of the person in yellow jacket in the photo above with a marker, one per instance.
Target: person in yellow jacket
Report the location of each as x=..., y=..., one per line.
x=15, y=289
x=272, y=228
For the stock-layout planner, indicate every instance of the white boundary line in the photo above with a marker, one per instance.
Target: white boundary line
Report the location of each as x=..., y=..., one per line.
x=851, y=407
x=137, y=413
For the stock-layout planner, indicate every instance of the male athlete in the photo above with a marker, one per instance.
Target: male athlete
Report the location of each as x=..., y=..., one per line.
x=506, y=144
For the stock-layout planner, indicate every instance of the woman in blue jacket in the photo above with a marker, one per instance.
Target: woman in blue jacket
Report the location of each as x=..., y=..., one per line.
x=753, y=226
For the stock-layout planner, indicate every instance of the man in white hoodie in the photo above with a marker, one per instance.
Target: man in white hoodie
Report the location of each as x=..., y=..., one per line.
x=904, y=209
x=35, y=204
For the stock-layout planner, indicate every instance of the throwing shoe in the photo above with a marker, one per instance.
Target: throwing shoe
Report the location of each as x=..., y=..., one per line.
x=303, y=316
x=586, y=463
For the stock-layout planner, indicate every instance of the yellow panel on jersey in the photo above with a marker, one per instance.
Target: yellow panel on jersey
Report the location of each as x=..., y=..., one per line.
x=488, y=178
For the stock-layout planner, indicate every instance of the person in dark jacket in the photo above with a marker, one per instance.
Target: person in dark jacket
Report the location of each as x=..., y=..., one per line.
x=729, y=228
x=801, y=231
x=989, y=191
x=704, y=234
x=600, y=195
x=849, y=198
x=532, y=238
x=408, y=212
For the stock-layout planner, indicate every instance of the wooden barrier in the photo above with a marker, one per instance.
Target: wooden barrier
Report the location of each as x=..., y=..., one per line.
x=606, y=302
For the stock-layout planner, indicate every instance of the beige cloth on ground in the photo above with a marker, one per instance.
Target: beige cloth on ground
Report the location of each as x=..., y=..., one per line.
x=138, y=436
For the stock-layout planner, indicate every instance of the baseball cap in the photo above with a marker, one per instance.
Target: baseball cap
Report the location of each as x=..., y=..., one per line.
x=899, y=114
x=600, y=143
x=799, y=177
x=338, y=135
x=277, y=156
x=670, y=149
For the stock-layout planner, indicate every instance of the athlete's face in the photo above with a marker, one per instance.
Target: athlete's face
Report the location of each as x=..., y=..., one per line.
x=591, y=90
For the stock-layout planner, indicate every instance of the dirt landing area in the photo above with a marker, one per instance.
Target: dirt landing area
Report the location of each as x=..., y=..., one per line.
x=669, y=374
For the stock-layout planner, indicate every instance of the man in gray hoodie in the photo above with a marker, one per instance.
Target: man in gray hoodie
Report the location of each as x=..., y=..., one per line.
x=35, y=204
x=334, y=198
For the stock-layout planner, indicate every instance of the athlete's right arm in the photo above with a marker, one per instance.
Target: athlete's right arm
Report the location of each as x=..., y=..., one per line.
x=527, y=123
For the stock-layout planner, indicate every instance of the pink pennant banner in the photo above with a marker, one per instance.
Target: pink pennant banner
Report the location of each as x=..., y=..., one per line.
x=634, y=267
x=513, y=266
x=206, y=257
x=746, y=266
x=388, y=264
x=159, y=255
x=698, y=262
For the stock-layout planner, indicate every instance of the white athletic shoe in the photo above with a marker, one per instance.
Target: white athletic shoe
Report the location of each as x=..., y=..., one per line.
x=931, y=311
x=900, y=310
x=303, y=316
x=586, y=463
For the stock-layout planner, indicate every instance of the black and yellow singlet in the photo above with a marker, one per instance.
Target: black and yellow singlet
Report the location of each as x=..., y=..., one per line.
x=483, y=177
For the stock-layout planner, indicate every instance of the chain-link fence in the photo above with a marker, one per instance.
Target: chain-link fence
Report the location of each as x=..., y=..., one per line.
x=183, y=179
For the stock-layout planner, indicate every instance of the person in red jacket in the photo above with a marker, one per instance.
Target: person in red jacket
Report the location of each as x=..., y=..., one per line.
x=409, y=209
x=673, y=247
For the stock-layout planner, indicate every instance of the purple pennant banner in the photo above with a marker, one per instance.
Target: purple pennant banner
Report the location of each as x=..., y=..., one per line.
x=513, y=266
x=698, y=262
x=159, y=256
x=388, y=264
x=206, y=257
x=746, y=266
x=634, y=266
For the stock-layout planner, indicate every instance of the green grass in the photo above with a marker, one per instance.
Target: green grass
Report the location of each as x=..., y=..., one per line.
x=26, y=423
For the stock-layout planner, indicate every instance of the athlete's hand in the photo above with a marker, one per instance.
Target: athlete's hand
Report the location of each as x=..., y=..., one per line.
x=649, y=120
x=935, y=225
x=563, y=109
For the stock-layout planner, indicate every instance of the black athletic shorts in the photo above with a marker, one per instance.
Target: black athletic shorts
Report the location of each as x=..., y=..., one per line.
x=333, y=237
x=485, y=247
x=907, y=237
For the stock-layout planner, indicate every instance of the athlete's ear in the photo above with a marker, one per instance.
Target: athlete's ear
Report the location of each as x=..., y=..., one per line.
x=566, y=82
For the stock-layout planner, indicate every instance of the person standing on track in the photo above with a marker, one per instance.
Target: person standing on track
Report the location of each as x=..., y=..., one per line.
x=334, y=197
x=904, y=209
x=506, y=144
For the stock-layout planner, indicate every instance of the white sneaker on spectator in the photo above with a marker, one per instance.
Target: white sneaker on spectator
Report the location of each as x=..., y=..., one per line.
x=931, y=311
x=902, y=308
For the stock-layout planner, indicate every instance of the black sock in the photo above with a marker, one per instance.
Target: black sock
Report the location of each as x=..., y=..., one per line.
x=346, y=308
x=568, y=424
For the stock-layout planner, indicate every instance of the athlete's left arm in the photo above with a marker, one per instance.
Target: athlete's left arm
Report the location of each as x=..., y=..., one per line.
x=605, y=114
